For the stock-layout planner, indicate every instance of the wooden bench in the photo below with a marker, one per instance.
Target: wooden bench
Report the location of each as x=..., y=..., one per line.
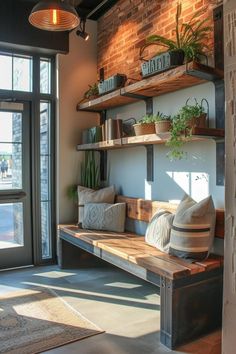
x=190, y=293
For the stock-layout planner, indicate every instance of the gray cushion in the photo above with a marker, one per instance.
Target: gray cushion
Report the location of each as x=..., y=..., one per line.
x=88, y=195
x=158, y=230
x=104, y=216
x=193, y=229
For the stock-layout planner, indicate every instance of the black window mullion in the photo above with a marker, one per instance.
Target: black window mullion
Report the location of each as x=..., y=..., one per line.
x=12, y=72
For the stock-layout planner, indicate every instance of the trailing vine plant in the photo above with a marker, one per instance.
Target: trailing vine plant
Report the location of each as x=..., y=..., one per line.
x=182, y=125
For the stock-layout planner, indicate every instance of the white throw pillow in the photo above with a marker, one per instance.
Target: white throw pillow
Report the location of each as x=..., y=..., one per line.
x=87, y=195
x=159, y=229
x=104, y=216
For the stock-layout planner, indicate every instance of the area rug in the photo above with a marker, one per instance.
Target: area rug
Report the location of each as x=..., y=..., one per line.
x=36, y=320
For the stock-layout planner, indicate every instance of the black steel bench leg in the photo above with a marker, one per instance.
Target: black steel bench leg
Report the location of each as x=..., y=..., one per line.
x=190, y=308
x=71, y=256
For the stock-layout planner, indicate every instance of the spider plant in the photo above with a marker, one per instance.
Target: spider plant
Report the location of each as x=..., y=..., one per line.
x=189, y=37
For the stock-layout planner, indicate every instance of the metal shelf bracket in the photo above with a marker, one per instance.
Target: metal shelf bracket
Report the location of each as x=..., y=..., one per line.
x=150, y=162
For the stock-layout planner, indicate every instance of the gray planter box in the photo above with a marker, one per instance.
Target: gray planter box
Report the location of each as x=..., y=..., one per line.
x=111, y=84
x=162, y=63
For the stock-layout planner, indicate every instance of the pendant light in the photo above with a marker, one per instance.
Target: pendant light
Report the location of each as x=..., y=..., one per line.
x=54, y=15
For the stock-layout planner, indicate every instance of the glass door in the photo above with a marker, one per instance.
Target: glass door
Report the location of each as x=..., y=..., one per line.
x=15, y=187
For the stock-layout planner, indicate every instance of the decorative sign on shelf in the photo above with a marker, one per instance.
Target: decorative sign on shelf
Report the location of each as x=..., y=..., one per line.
x=112, y=83
x=162, y=63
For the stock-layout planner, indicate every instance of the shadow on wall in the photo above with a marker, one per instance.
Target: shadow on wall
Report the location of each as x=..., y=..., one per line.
x=196, y=184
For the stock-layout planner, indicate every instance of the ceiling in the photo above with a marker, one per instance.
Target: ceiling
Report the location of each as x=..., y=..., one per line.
x=92, y=9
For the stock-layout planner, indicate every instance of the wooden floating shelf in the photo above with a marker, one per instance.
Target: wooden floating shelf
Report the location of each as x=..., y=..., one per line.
x=184, y=76
x=198, y=134
x=113, y=99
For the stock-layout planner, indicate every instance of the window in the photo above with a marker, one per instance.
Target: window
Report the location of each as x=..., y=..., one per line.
x=16, y=73
x=34, y=126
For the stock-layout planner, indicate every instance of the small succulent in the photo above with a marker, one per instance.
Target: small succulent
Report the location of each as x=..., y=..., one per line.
x=161, y=116
x=92, y=91
x=149, y=118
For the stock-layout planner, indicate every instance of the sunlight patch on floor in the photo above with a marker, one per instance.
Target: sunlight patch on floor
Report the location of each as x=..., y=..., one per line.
x=123, y=285
x=54, y=274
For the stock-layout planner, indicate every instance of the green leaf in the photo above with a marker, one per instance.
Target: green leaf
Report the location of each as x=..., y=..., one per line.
x=190, y=37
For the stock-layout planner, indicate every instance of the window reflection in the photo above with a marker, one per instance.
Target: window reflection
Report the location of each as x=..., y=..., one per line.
x=45, y=191
x=10, y=150
x=11, y=225
x=45, y=76
x=16, y=73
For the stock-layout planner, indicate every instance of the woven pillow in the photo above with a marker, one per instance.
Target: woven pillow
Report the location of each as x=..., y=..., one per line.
x=87, y=195
x=104, y=216
x=193, y=229
x=158, y=230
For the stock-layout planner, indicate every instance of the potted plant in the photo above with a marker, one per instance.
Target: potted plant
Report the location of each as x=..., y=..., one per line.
x=90, y=172
x=145, y=126
x=72, y=193
x=91, y=93
x=189, y=116
x=188, y=44
x=90, y=176
x=162, y=123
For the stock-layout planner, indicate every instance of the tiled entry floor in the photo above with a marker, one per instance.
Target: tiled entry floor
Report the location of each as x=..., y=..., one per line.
x=126, y=307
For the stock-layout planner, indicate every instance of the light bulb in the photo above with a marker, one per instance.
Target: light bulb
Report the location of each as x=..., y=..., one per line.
x=54, y=17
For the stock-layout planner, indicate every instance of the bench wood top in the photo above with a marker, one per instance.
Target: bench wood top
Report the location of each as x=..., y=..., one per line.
x=133, y=248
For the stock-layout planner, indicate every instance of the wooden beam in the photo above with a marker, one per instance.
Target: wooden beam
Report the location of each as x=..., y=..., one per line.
x=140, y=209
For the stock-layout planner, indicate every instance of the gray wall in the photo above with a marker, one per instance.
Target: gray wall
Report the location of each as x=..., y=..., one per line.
x=195, y=175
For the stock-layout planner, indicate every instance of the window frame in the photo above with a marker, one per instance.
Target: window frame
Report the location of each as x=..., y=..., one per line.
x=34, y=98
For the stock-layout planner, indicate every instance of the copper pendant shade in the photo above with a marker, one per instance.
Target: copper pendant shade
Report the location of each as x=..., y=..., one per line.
x=55, y=15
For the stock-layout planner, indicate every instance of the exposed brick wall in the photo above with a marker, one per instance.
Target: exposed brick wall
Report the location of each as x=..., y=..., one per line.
x=124, y=28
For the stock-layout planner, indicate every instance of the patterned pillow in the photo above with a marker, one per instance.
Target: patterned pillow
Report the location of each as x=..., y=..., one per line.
x=87, y=195
x=158, y=230
x=104, y=216
x=193, y=229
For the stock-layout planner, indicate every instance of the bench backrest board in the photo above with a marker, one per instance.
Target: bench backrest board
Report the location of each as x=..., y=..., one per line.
x=142, y=210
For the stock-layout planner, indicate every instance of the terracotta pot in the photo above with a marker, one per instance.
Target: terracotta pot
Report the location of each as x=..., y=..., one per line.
x=163, y=126
x=143, y=129
x=199, y=122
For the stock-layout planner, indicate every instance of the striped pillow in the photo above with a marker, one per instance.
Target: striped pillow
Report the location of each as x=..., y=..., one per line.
x=193, y=228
